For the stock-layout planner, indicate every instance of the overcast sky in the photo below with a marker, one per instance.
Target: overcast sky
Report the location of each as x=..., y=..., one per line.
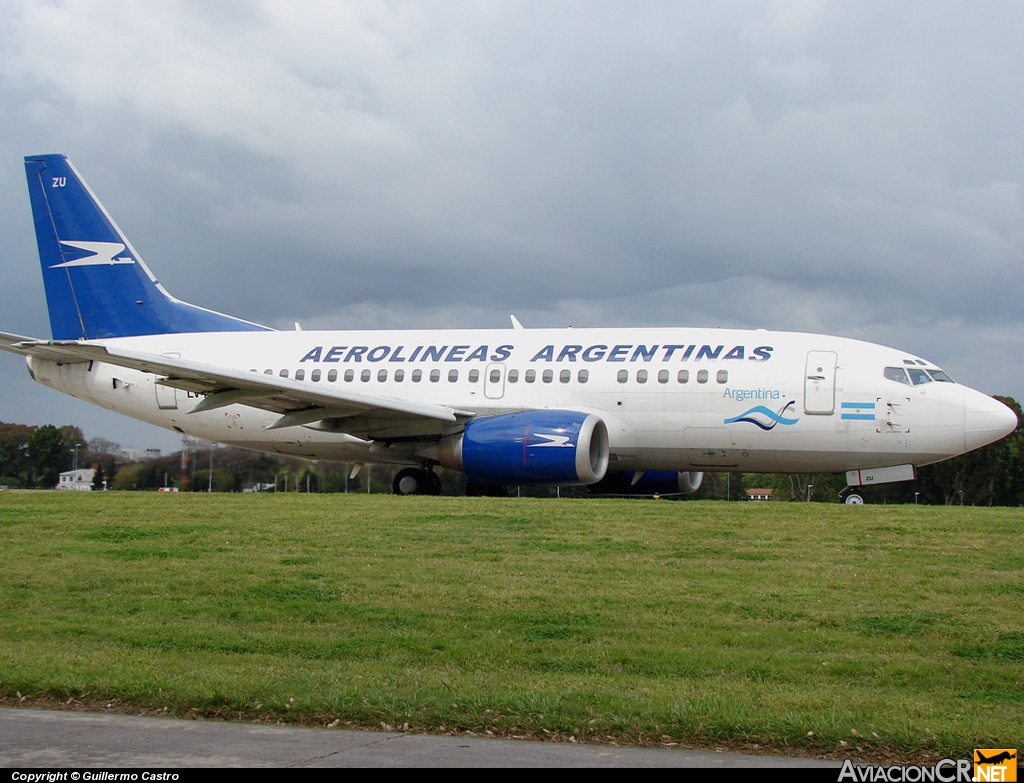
x=846, y=168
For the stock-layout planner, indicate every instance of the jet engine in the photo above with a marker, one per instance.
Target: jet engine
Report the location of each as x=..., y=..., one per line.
x=531, y=447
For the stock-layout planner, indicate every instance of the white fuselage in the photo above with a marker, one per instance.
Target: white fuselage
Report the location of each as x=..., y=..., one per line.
x=672, y=398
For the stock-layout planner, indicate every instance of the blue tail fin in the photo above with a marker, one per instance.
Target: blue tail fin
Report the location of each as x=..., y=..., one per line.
x=96, y=284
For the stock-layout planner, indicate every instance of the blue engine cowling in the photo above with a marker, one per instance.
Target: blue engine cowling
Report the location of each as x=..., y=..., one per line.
x=652, y=482
x=532, y=447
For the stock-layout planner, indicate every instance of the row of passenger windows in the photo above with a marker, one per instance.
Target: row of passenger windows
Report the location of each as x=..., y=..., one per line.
x=529, y=376
x=683, y=376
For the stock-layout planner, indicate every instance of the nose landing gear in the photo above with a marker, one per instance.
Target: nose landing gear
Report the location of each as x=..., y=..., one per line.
x=852, y=496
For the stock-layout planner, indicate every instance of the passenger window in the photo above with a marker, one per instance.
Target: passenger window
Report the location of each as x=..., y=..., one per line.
x=283, y=373
x=565, y=376
x=623, y=376
x=435, y=376
x=364, y=376
x=495, y=376
x=702, y=376
x=513, y=376
x=268, y=372
x=723, y=376
x=663, y=376
x=332, y=376
x=314, y=376
x=417, y=375
x=382, y=375
x=474, y=376
x=583, y=376
x=453, y=376
x=300, y=375
x=684, y=376
x=349, y=376
x=399, y=376
x=531, y=376
x=548, y=376
x=897, y=374
x=641, y=376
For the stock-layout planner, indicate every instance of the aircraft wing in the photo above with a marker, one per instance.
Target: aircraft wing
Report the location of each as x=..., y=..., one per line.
x=298, y=403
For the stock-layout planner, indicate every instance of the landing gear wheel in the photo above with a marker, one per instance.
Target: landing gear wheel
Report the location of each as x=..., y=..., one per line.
x=854, y=499
x=414, y=481
x=408, y=482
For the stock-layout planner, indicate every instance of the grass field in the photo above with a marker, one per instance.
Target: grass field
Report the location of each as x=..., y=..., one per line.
x=872, y=632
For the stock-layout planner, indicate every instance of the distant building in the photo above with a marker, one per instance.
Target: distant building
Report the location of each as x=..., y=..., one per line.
x=129, y=454
x=77, y=480
x=760, y=494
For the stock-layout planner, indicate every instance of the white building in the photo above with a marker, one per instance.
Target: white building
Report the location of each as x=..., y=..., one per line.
x=77, y=480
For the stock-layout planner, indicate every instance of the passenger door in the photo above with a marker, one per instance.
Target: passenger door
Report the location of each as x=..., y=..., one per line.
x=820, y=383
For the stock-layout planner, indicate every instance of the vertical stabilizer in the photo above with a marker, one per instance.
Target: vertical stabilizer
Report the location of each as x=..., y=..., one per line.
x=96, y=284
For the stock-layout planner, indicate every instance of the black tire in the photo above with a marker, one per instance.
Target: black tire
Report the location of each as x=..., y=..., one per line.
x=411, y=481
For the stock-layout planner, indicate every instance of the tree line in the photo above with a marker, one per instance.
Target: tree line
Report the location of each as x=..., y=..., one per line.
x=33, y=457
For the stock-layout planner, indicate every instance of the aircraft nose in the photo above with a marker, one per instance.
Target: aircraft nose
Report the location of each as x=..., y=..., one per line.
x=986, y=420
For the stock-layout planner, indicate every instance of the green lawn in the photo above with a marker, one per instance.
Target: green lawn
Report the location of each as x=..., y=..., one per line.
x=893, y=632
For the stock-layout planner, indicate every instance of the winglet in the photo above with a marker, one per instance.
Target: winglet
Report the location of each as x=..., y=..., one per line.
x=515, y=322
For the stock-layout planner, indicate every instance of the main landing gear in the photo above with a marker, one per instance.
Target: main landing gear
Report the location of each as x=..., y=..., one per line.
x=416, y=481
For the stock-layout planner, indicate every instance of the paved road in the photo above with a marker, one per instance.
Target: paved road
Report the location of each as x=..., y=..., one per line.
x=44, y=738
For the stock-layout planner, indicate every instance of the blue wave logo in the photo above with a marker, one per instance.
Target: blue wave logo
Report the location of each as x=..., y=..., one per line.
x=772, y=416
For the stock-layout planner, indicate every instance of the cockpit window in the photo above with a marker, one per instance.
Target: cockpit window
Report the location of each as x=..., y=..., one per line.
x=919, y=376
x=916, y=375
x=897, y=374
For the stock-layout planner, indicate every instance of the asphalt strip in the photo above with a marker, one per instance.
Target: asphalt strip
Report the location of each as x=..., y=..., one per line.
x=51, y=738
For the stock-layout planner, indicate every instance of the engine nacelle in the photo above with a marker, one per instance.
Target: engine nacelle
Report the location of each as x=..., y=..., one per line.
x=532, y=447
x=690, y=482
x=652, y=482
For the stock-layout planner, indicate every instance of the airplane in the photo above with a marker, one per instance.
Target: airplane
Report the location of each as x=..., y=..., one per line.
x=996, y=759
x=623, y=411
